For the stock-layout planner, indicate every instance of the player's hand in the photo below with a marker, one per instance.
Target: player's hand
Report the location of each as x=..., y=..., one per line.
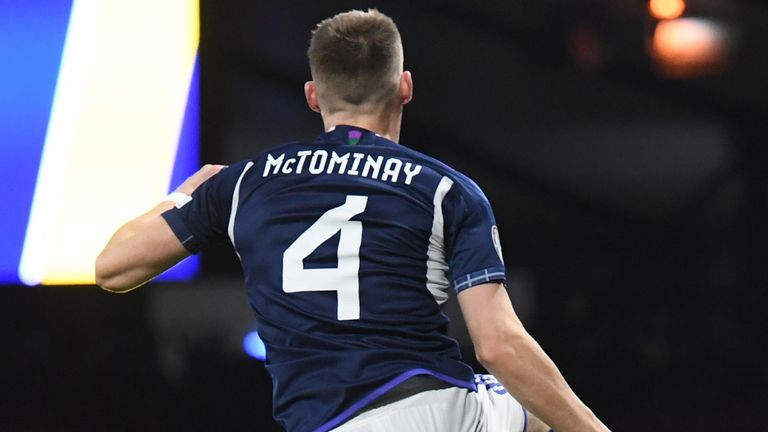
x=196, y=179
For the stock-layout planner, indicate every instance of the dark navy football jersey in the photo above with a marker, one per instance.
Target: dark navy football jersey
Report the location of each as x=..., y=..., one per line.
x=348, y=245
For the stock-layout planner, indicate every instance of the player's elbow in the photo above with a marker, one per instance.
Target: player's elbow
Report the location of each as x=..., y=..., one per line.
x=109, y=278
x=111, y=284
x=500, y=350
x=492, y=356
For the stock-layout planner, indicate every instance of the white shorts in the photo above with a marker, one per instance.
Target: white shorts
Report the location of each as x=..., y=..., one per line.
x=453, y=409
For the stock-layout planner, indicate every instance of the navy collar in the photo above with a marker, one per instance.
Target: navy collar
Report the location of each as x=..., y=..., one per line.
x=349, y=136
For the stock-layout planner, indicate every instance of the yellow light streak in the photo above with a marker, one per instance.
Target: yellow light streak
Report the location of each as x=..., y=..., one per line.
x=113, y=132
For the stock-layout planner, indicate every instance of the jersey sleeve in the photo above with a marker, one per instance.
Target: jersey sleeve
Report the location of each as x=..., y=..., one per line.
x=474, y=251
x=205, y=218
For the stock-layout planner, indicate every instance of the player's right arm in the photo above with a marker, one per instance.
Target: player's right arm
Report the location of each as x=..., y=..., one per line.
x=506, y=349
x=145, y=246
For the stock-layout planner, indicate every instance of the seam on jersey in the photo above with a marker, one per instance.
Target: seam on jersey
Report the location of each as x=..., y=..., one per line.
x=235, y=202
x=355, y=407
x=477, y=278
x=437, y=267
x=181, y=230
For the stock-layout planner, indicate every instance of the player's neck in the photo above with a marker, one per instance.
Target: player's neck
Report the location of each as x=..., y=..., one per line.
x=386, y=125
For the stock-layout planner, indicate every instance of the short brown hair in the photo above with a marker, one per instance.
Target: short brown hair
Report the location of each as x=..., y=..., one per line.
x=356, y=58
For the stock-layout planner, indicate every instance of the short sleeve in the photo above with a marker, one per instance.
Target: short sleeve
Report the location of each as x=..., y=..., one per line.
x=473, y=238
x=204, y=219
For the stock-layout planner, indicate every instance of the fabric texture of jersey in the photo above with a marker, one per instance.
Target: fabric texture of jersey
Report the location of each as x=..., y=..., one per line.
x=348, y=246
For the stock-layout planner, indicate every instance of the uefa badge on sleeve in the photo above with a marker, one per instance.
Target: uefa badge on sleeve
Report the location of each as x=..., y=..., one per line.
x=496, y=241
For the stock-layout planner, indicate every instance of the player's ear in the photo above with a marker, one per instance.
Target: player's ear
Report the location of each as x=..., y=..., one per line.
x=310, y=92
x=406, y=87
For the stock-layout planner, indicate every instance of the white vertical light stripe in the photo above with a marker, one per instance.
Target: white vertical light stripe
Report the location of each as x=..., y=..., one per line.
x=437, y=266
x=114, y=126
x=55, y=158
x=235, y=202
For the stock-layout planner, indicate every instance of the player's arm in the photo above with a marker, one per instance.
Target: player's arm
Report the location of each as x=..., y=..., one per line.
x=506, y=349
x=145, y=246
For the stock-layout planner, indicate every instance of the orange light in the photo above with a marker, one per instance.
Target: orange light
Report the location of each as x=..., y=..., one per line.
x=689, y=47
x=666, y=9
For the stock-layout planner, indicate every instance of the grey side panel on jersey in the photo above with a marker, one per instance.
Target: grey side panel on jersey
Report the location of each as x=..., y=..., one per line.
x=437, y=266
x=235, y=202
x=447, y=410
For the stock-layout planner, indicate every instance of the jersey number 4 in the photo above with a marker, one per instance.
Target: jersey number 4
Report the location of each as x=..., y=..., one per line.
x=344, y=278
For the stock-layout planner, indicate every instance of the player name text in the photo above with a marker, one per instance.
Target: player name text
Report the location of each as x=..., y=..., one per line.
x=357, y=164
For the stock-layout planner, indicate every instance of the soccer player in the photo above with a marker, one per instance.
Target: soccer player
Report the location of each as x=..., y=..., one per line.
x=349, y=245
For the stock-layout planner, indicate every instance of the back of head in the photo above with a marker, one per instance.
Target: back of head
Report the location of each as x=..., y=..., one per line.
x=356, y=60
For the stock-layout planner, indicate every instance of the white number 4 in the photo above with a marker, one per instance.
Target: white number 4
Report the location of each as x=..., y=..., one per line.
x=343, y=279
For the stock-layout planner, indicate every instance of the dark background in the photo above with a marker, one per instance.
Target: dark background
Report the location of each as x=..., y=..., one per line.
x=633, y=210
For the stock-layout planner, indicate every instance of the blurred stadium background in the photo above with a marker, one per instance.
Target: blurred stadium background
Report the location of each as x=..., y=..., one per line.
x=622, y=144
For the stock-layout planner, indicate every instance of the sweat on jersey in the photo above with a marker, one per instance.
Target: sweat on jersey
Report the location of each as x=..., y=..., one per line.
x=348, y=246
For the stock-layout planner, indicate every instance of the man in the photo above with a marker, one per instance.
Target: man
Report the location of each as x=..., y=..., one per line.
x=349, y=245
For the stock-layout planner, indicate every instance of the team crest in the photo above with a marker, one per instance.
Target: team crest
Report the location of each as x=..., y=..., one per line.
x=496, y=241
